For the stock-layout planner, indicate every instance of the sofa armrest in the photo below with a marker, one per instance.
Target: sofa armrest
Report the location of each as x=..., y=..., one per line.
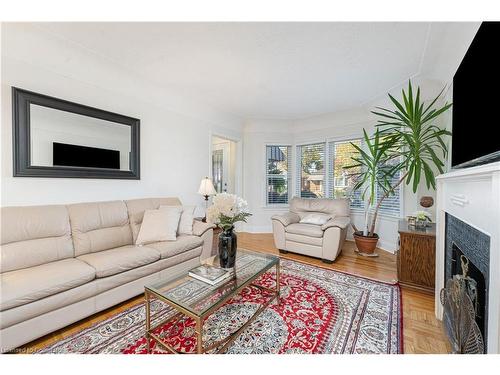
x=339, y=222
x=286, y=218
x=199, y=227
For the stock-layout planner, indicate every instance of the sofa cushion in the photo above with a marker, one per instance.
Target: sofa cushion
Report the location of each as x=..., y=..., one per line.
x=34, y=235
x=121, y=259
x=162, y=265
x=186, y=221
x=98, y=226
x=137, y=207
x=334, y=207
x=170, y=248
x=310, y=230
x=159, y=225
x=31, y=284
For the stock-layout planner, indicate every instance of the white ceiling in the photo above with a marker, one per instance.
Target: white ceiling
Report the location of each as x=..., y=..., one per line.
x=262, y=70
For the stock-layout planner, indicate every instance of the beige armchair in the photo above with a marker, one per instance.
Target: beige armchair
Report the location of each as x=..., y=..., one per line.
x=320, y=241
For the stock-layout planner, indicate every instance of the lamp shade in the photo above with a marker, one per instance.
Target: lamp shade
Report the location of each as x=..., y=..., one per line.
x=206, y=187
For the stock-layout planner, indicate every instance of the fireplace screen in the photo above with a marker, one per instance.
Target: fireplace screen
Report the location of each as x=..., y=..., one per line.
x=461, y=312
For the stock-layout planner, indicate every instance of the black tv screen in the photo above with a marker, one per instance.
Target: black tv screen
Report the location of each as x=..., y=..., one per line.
x=476, y=93
x=68, y=155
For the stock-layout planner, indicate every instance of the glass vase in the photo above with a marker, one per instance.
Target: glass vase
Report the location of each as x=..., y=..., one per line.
x=227, y=248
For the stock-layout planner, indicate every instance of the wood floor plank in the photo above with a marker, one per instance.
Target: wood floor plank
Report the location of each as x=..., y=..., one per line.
x=422, y=332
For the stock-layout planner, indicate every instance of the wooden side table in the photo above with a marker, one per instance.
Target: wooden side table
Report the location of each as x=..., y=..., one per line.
x=416, y=257
x=215, y=241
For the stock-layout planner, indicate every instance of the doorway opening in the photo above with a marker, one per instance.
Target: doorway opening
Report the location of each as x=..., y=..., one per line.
x=224, y=164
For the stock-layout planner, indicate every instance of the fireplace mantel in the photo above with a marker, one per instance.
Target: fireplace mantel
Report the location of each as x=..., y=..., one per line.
x=473, y=196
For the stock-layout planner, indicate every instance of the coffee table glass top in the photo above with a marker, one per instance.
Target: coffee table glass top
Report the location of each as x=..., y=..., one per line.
x=198, y=297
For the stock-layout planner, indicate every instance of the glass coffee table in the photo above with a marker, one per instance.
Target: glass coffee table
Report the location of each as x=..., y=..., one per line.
x=196, y=299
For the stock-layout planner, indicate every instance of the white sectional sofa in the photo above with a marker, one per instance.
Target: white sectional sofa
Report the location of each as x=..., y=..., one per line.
x=62, y=263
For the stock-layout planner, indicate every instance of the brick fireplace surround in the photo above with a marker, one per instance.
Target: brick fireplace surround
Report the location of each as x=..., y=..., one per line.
x=472, y=196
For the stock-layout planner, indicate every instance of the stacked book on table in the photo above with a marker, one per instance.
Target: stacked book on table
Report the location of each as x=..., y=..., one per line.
x=210, y=274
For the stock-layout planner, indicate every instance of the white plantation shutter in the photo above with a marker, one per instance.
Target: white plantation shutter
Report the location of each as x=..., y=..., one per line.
x=341, y=181
x=278, y=161
x=311, y=166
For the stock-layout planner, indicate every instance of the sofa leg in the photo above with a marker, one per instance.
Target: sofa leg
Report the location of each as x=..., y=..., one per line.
x=283, y=251
x=327, y=261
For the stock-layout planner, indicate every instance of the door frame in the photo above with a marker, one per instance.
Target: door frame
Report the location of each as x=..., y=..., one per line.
x=238, y=168
x=226, y=154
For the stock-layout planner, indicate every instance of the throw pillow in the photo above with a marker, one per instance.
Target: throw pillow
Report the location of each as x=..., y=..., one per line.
x=317, y=219
x=186, y=220
x=159, y=225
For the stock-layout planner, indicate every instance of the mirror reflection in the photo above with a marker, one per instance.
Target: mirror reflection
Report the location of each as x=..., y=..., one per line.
x=64, y=139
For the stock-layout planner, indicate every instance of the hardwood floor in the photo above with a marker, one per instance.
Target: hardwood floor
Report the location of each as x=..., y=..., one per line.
x=423, y=333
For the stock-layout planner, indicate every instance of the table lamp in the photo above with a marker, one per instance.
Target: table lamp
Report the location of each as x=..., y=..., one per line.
x=206, y=189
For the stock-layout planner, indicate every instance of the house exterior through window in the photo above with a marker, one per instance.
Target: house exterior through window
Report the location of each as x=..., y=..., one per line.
x=311, y=171
x=278, y=161
x=341, y=180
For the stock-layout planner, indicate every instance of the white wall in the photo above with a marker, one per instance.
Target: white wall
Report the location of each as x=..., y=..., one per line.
x=175, y=134
x=257, y=135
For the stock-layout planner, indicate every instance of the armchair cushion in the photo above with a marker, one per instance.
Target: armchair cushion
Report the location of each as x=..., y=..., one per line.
x=287, y=218
x=333, y=207
x=315, y=218
x=340, y=222
x=310, y=230
x=199, y=227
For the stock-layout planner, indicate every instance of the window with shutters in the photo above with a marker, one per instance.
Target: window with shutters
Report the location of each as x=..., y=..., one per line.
x=311, y=171
x=391, y=205
x=278, y=161
x=341, y=181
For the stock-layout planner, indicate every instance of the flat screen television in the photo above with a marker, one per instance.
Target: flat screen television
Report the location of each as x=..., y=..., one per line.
x=68, y=155
x=476, y=101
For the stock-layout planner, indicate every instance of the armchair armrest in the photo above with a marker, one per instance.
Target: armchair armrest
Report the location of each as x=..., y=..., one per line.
x=340, y=222
x=199, y=227
x=286, y=218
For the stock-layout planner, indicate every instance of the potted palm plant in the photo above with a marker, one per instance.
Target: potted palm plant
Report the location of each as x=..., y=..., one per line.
x=406, y=143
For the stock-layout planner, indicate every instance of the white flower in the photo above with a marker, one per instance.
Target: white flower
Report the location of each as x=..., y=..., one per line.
x=422, y=215
x=227, y=208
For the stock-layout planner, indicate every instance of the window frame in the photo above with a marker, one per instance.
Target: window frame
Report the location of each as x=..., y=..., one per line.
x=294, y=174
x=288, y=178
x=331, y=167
x=298, y=166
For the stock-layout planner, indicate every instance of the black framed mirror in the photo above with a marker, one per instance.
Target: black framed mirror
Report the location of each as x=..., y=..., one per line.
x=58, y=138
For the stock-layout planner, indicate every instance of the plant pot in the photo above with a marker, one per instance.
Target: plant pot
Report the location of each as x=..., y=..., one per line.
x=228, y=243
x=366, y=245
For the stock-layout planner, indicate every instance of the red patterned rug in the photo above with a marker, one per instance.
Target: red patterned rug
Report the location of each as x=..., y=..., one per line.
x=321, y=311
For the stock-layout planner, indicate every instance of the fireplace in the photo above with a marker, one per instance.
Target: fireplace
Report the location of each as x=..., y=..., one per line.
x=465, y=243
x=467, y=215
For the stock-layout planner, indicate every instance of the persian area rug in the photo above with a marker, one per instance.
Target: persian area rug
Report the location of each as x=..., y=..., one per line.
x=321, y=311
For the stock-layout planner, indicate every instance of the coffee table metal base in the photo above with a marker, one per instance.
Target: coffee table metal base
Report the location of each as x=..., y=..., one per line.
x=223, y=344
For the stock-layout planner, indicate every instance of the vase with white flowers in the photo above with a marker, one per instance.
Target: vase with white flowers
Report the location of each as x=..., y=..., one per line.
x=226, y=210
